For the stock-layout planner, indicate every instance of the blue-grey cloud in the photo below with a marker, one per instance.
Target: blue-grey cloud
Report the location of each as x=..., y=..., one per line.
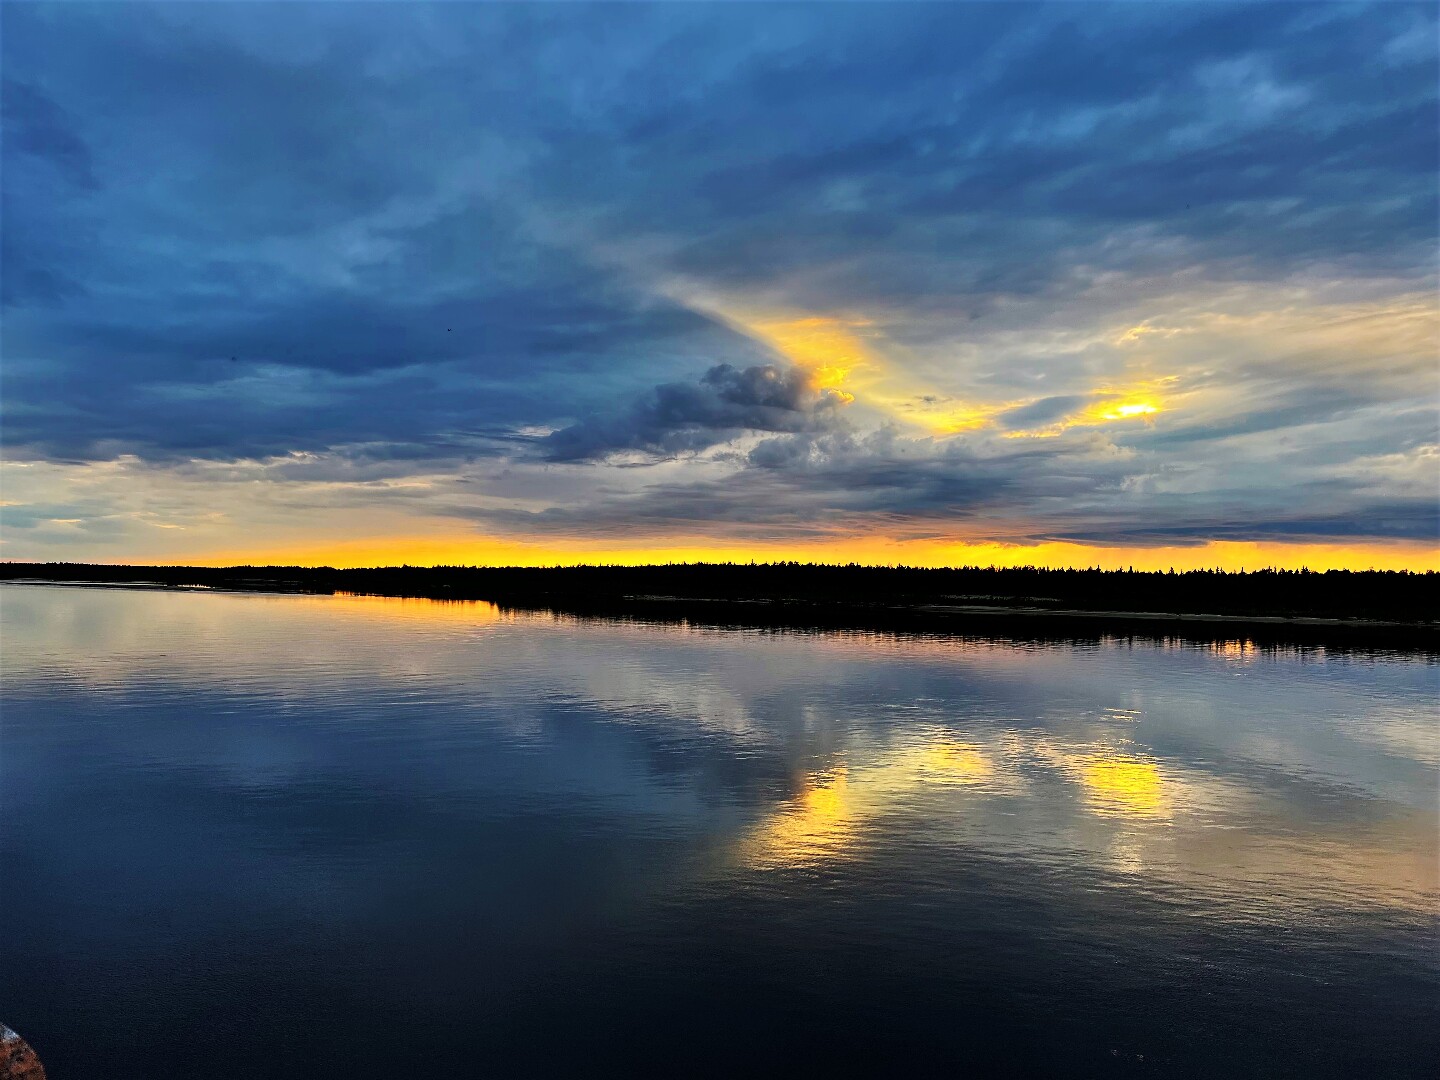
x=726, y=402
x=1045, y=411
x=38, y=128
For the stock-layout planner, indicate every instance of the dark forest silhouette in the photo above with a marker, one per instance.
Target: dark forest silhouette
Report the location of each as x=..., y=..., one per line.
x=794, y=593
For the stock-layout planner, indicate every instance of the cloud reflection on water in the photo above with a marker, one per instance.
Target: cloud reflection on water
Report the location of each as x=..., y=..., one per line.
x=1273, y=785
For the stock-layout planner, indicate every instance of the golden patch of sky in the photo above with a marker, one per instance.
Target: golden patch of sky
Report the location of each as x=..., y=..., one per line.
x=1155, y=362
x=853, y=352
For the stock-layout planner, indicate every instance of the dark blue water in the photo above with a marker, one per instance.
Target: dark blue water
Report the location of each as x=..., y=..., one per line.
x=311, y=837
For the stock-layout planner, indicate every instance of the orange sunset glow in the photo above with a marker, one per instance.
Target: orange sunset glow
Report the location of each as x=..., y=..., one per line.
x=466, y=551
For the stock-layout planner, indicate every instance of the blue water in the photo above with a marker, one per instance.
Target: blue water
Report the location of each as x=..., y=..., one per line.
x=290, y=836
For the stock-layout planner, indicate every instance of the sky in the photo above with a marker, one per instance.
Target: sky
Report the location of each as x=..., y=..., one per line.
x=1141, y=285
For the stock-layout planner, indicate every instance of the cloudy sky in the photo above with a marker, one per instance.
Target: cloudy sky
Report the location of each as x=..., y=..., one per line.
x=1121, y=285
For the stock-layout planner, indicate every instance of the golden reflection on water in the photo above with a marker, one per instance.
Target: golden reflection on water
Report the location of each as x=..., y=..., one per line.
x=1157, y=823
x=417, y=608
x=1090, y=784
x=834, y=805
x=1126, y=787
x=827, y=818
x=1239, y=651
x=1122, y=782
x=954, y=763
x=820, y=823
x=824, y=821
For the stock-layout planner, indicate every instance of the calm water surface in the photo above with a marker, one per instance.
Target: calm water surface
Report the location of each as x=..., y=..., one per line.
x=359, y=837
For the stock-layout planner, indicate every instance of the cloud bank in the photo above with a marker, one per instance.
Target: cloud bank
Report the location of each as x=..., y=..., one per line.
x=1126, y=275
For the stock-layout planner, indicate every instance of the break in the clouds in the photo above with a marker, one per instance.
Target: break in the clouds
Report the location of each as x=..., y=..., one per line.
x=1125, y=275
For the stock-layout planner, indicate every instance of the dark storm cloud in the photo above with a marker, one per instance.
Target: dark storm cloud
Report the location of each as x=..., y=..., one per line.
x=422, y=234
x=724, y=403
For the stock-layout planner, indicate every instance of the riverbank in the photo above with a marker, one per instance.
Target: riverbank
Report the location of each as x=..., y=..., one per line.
x=1009, y=621
x=995, y=602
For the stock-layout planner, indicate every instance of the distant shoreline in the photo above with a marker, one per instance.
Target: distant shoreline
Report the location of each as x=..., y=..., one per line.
x=994, y=620
x=600, y=593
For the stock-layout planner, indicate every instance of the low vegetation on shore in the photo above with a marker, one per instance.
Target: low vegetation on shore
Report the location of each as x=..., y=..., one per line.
x=1386, y=596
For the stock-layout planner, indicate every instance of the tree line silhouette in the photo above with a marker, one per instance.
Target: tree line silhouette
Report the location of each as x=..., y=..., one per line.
x=1341, y=594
